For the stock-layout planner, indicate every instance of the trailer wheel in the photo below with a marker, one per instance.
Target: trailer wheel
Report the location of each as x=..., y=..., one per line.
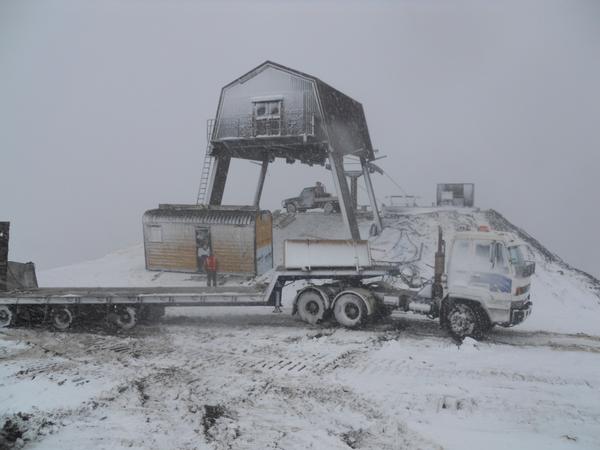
x=350, y=310
x=62, y=318
x=329, y=208
x=151, y=313
x=126, y=317
x=6, y=316
x=310, y=307
x=291, y=208
x=464, y=320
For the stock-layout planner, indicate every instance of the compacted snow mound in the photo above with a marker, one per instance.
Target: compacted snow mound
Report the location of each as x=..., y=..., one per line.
x=565, y=299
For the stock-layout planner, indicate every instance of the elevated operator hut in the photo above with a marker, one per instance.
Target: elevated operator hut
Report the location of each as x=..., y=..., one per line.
x=273, y=112
x=179, y=237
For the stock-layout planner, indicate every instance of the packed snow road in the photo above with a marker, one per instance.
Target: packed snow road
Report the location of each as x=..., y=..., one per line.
x=243, y=378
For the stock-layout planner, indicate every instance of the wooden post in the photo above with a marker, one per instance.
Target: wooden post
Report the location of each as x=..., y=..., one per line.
x=341, y=186
x=4, y=228
x=261, y=182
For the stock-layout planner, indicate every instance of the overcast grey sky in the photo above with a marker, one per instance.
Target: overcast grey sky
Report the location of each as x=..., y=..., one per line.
x=103, y=107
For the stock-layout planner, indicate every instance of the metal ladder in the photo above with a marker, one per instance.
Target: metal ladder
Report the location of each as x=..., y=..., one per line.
x=207, y=166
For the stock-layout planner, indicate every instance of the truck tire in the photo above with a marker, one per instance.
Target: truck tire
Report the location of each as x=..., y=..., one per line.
x=61, y=318
x=126, y=317
x=6, y=316
x=329, y=208
x=350, y=310
x=465, y=320
x=310, y=306
x=291, y=208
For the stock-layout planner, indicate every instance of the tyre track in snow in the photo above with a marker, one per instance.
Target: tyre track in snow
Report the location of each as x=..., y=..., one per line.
x=259, y=372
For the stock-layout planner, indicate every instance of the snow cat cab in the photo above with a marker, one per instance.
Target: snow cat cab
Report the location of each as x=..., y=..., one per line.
x=488, y=282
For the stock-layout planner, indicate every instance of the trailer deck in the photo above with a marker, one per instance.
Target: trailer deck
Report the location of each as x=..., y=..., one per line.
x=258, y=294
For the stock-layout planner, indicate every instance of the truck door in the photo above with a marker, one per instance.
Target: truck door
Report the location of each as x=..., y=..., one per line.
x=308, y=198
x=491, y=268
x=458, y=266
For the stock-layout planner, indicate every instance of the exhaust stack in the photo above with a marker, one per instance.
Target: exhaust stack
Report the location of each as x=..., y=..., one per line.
x=4, y=227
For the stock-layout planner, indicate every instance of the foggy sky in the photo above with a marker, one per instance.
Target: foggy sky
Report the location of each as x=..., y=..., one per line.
x=103, y=109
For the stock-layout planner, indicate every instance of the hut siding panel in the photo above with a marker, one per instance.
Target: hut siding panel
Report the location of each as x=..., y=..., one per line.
x=234, y=248
x=299, y=103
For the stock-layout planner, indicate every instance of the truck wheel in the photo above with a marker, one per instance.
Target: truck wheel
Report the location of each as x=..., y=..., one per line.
x=329, y=208
x=62, y=318
x=291, y=208
x=349, y=310
x=6, y=316
x=310, y=307
x=464, y=320
x=126, y=317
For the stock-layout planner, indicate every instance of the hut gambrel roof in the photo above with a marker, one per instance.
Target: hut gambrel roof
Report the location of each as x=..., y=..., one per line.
x=343, y=126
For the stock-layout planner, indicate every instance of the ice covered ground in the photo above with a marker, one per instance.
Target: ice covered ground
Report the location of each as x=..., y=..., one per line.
x=240, y=378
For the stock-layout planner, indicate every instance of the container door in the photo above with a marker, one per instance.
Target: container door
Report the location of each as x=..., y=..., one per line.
x=203, y=246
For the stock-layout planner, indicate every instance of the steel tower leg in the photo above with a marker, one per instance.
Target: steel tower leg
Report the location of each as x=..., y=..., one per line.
x=371, y=192
x=343, y=193
x=218, y=178
x=354, y=192
x=261, y=182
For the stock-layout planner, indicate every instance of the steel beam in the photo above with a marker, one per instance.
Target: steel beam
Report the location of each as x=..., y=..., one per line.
x=218, y=178
x=341, y=186
x=261, y=182
x=354, y=192
x=371, y=192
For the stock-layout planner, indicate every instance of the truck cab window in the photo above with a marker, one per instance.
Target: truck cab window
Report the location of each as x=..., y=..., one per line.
x=481, y=259
x=500, y=263
x=515, y=254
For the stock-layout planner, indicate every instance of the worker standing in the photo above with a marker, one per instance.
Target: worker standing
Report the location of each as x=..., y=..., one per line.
x=210, y=266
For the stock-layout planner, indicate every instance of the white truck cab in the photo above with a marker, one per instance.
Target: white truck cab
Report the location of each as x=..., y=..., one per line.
x=488, y=272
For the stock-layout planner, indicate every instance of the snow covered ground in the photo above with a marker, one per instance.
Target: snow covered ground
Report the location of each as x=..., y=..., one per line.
x=220, y=378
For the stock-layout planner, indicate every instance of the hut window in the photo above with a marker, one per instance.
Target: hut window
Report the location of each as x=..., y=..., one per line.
x=155, y=233
x=267, y=118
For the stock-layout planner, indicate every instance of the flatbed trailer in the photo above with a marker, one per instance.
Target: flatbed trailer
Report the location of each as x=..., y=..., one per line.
x=124, y=306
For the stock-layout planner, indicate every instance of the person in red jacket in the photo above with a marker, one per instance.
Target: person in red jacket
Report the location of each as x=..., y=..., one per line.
x=210, y=266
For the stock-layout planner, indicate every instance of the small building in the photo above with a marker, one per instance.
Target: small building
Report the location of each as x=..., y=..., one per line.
x=274, y=111
x=179, y=237
x=456, y=194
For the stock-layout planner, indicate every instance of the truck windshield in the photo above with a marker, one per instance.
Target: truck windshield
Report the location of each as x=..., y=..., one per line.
x=515, y=254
